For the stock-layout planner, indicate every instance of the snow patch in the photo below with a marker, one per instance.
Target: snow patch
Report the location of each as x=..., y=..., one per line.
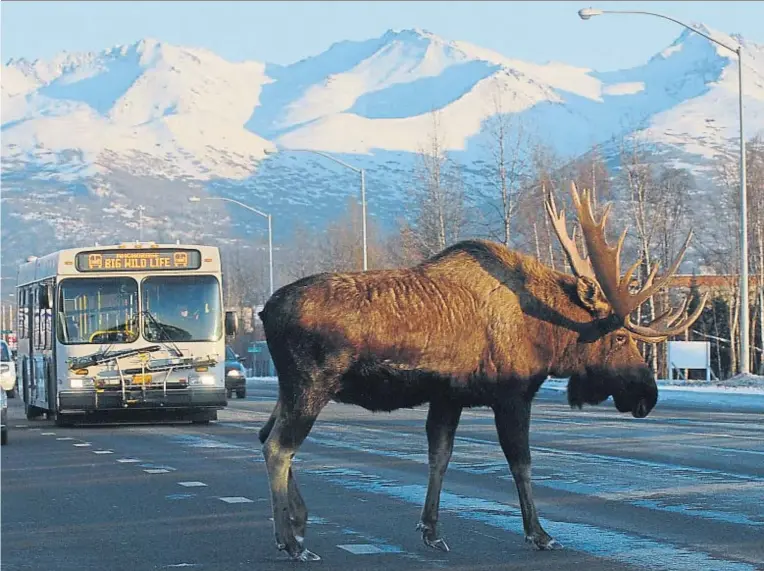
x=624, y=88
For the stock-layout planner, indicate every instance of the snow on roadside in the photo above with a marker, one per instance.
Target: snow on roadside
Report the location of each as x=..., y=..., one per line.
x=740, y=384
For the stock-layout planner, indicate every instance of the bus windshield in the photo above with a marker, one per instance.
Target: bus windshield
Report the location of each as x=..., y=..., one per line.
x=98, y=310
x=181, y=308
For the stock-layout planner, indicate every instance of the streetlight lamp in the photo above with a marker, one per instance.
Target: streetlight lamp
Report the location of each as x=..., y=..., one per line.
x=360, y=171
x=587, y=13
x=256, y=211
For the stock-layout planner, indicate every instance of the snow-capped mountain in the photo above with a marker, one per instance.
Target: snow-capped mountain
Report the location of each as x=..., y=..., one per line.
x=88, y=137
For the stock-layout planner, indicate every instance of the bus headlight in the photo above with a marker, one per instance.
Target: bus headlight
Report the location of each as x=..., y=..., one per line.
x=80, y=383
x=234, y=373
x=205, y=380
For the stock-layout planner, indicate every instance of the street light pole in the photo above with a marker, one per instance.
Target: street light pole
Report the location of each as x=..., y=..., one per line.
x=361, y=172
x=585, y=14
x=140, y=222
x=256, y=211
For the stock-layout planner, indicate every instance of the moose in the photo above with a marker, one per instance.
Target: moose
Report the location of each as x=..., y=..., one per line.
x=477, y=324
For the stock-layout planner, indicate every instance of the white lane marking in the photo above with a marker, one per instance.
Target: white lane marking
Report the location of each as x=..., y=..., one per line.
x=236, y=500
x=156, y=471
x=64, y=438
x=192, y=484
x=21, y=425
x=368, y=548
x=48, y=433
x=83, y=444
x=128, y=460
x=598, y=541
x=102, y=452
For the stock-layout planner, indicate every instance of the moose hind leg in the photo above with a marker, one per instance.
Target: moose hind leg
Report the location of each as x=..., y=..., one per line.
x=297, y=509
x=513, y=424
x=442, y=420
x=288, y=432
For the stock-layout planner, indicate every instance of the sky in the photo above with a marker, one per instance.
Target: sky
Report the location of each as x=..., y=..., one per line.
x=285, y=32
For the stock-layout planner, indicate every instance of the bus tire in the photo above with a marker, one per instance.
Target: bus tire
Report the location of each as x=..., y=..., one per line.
x=32, y=412
x=4, y=437
x=241, y=393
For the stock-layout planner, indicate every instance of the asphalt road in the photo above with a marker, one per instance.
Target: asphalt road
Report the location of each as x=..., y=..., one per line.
x=680, y=490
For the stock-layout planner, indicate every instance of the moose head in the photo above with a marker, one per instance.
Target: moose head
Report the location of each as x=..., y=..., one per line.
x=606, y=360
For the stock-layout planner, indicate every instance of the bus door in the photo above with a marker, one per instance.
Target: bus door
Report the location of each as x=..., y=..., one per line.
x=42, y=389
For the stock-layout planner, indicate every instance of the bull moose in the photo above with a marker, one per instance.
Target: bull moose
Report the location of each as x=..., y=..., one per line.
x=477, y=324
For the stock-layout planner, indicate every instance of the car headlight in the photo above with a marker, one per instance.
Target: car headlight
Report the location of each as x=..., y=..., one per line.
x=234, y=373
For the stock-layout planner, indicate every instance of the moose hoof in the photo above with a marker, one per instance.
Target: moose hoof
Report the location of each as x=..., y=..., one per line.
x=306, y=555
x=439, y=543
x=430, y=539
x=543, y=542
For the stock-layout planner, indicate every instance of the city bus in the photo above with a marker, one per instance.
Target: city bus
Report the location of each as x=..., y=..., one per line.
x=132, y=326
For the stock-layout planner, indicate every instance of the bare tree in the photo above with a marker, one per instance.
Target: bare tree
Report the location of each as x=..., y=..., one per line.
x=641, y=190
x=301, y=256
x=337, y=248
x=721, y=249
x=533, y=233
x=438, y=195
x=755, y=191
x=509, y=171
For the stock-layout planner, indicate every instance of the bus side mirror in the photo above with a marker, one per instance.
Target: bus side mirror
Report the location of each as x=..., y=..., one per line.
x=231, y=322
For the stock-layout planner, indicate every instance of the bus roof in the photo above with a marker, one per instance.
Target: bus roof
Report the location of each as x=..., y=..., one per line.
x=62, y=262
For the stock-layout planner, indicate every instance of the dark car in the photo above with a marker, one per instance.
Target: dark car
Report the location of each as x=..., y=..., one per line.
x=235, y=375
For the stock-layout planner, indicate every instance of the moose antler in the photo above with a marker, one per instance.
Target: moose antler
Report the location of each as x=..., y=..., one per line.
x=581, y=266
x=604, y=266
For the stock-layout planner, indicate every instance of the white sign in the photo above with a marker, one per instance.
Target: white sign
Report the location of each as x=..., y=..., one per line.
x=689, y=355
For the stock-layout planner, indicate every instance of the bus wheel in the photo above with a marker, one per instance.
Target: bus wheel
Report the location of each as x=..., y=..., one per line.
x=32, y=412
x=241, y=393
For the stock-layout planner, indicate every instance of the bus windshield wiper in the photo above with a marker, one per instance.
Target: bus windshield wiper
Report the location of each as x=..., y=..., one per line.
x=105, y=356
x=147, y=313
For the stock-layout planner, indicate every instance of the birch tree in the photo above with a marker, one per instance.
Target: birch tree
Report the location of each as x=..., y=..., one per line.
x=509, y=168
x=438, y=194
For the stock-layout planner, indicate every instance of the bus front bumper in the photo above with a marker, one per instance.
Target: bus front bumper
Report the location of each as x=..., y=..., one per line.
x=78, y=401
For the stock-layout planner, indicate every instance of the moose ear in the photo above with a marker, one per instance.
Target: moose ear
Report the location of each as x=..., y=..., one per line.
x=591, y=296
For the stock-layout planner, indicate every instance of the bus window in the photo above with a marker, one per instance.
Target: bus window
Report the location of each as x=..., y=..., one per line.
x=181, y=308
x=98, y=310
x=23, y=314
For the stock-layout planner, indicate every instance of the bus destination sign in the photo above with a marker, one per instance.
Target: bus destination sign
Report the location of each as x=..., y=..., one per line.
x=138, y=260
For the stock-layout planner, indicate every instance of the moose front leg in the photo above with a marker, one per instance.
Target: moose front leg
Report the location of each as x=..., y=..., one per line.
x=442, y=420
x=513, y=424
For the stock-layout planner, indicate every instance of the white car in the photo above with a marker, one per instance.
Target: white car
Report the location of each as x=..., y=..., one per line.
x=3, y=418
x=7, y=369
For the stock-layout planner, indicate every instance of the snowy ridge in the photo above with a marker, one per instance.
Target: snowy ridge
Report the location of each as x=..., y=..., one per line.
x=133, y=123
x=213, y=118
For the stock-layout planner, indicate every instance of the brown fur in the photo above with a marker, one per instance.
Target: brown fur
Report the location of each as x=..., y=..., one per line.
x=476, y=325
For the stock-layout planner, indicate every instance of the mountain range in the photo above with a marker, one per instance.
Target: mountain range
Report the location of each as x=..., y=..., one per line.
x=87, y=138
